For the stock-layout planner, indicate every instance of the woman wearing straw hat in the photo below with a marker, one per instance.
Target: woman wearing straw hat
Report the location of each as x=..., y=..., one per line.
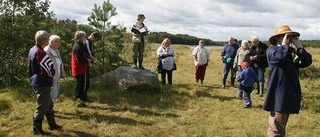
x=283, y=89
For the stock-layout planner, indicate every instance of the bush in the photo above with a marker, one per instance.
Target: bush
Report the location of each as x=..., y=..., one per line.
x=311, y=72
x=4, y=106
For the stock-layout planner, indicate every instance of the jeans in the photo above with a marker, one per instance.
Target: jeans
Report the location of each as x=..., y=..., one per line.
x=55, y=91
x=260, y=73
x=247, y=95
x=226, y=69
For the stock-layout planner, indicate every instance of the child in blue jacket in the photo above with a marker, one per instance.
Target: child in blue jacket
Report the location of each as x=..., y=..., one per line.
x=246, y=80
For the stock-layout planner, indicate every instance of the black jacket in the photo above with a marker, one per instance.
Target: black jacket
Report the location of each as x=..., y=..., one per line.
x=260, y=51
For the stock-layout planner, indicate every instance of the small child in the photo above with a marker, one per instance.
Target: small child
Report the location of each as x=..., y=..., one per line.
x=246, y=80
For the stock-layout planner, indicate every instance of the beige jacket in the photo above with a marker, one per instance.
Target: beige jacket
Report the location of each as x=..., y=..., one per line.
x=137, y=38
x=55, y=57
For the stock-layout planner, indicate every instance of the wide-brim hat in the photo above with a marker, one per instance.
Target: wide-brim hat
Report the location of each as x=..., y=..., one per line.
x=140, y=16
x=280, y=31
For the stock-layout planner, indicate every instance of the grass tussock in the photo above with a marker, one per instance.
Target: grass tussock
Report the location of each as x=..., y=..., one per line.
x=183, y=109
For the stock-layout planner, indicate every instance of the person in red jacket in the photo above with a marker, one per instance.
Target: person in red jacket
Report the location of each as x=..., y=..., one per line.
x=80, y=60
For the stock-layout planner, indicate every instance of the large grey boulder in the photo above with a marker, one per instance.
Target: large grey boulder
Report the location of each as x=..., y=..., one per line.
x=128, y=78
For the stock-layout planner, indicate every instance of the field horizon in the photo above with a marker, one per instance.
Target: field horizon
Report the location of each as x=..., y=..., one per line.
x=184, y=109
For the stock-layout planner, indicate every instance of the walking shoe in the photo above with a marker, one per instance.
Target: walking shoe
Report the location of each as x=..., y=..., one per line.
x=88, y=100
x=81, y=105
x=238, y=97
x=141, y=67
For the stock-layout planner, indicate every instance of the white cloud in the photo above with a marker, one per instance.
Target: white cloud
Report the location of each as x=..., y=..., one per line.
x=215, y=20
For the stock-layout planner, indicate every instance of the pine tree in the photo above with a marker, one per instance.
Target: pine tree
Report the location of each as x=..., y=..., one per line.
x=112, y=43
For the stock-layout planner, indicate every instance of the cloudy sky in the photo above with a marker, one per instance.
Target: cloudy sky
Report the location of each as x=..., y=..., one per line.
x=212, y=19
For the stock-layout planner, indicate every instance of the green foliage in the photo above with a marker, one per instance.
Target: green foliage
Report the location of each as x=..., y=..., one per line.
x=107, y=50
x=20, y=19
x=65, y=29
x=311, y=72
x=4, y=105
x=310, y=43
x=157, y=37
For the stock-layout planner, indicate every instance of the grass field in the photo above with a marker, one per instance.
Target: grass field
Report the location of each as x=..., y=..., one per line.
x=184, y=109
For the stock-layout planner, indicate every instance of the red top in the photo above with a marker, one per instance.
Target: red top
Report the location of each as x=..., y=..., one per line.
x=79, y=59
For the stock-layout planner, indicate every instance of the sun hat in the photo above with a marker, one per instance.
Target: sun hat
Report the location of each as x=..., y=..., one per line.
x=141, y=16
x=280, y=31
x=244, y=65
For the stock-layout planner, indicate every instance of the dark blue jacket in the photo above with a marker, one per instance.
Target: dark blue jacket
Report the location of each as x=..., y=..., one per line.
x=41, y=69
x=247, y=77
x=229, y=51
x=283, y=89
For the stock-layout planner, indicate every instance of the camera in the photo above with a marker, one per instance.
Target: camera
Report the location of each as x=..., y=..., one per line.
x=294, y=35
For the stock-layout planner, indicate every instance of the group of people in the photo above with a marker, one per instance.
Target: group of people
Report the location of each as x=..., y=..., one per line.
x=165, y=52
x=284, y=58
x=46, y=68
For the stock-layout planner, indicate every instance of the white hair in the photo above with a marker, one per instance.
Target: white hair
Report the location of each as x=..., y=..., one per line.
x=53, y=38
x=244, y=41
x=254, y=38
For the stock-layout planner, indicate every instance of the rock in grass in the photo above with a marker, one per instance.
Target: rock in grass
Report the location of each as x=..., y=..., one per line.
x=128, y=78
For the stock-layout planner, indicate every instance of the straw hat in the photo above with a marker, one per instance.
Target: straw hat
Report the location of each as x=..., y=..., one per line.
x=280, y=31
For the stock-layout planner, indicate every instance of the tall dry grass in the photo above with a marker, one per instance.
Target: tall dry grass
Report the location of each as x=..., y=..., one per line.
x=184, y=109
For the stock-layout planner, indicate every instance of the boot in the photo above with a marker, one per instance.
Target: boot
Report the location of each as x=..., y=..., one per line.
x=140, y=64
x=223, y=83
x=261, y=86
x=37, y=128
x=258, y=89
x=52, y=122
x=232, y=83
x=135, y=63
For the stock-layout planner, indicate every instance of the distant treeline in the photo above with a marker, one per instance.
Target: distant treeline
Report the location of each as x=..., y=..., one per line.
x=310, y=43
x=185, y=39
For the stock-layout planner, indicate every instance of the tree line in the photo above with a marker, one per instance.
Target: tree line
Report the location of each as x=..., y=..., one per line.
x=21, y=19
x=185, y=39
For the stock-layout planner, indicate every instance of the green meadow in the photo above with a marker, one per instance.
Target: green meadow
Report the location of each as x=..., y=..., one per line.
x=183, y=109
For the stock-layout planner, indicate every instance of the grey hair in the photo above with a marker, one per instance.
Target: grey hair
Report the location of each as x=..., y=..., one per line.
x=41, y=37
x=254, y=38
x=78, y=35
x=53, y=38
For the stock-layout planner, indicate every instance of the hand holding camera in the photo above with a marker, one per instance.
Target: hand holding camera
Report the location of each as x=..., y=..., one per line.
x=295, y=41
x=286, y=39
